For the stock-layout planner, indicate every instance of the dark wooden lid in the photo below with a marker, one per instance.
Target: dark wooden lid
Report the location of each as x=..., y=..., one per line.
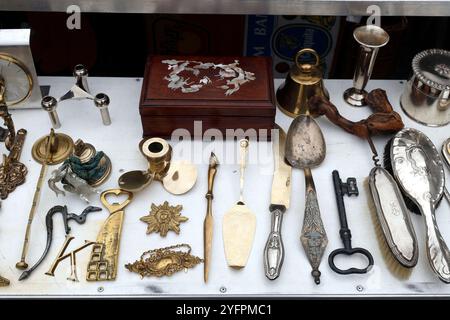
x=254, y=98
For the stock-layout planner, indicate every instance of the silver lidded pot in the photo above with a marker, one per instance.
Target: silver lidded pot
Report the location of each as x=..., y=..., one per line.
x=426, y=98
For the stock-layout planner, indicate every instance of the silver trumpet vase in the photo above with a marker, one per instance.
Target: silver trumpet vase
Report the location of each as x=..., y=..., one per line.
x=371, y=38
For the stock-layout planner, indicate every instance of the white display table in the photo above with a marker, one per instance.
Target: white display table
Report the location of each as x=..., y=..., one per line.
x=350, y=155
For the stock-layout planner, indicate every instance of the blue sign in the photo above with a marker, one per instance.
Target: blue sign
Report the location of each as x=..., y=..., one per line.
x=289, y=39
x=259, y=33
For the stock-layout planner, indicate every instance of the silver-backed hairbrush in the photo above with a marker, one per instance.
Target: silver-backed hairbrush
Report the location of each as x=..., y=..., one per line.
x=419, y=171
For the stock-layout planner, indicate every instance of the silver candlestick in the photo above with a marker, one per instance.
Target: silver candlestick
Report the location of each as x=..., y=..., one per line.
x=371, y=38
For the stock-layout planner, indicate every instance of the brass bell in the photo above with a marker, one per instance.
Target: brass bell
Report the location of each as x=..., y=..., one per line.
x=303, y=81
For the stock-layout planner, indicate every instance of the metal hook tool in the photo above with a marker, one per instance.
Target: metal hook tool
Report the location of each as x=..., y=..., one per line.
x=349, y=188
x=80, y=219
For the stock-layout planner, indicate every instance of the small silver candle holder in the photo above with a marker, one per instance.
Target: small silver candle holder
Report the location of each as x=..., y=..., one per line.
x=79, y=91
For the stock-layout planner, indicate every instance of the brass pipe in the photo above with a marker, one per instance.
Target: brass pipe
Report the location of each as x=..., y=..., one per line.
x=22, y=265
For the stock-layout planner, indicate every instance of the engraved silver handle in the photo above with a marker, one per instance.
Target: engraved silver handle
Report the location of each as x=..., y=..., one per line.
x=274, y=249
x=313, y=236
x=437, y=251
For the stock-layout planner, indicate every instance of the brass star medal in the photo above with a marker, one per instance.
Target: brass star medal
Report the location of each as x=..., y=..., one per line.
x=164, y=218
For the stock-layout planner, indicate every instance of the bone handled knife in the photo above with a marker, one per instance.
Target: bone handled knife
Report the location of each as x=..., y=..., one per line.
x=281, y=191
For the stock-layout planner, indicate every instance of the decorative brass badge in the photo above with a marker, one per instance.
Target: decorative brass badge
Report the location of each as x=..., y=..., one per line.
x=164, y=261
x=164, y=218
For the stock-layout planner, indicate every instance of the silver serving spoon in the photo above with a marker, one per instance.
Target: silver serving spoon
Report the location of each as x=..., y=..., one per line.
x=305, y=149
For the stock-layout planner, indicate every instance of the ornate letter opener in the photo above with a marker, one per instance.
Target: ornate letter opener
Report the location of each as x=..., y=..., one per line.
x=48, y=150
x=239, y=224
x=105, y=253
x=208, y=223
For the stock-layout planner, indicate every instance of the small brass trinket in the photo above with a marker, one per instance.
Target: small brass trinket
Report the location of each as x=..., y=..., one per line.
x=164, y=261
x=62, y=255
x=164, y=218
x=13, y=172
x=82, y=171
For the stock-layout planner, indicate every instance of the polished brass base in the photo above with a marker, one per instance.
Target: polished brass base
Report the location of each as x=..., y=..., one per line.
x=60, y=149
x=22, y=265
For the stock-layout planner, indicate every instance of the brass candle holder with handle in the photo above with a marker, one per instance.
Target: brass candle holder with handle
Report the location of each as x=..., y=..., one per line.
x=49, y=150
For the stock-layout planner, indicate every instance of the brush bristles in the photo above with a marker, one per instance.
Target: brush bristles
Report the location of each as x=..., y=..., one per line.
x=397, y=269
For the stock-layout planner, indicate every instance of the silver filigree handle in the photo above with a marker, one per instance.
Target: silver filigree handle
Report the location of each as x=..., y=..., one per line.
x=313, y=236
x=274, y=249
x=437, y=251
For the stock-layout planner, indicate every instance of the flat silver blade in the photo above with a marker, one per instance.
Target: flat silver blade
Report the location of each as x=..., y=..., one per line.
x=281, y=184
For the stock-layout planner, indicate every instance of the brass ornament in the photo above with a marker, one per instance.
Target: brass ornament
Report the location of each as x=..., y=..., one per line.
x=164, y=218
x=105, y=253
x=81, y=172
x=85, y=152
x=72, y=255
x=164, y=261
x=13, y=172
